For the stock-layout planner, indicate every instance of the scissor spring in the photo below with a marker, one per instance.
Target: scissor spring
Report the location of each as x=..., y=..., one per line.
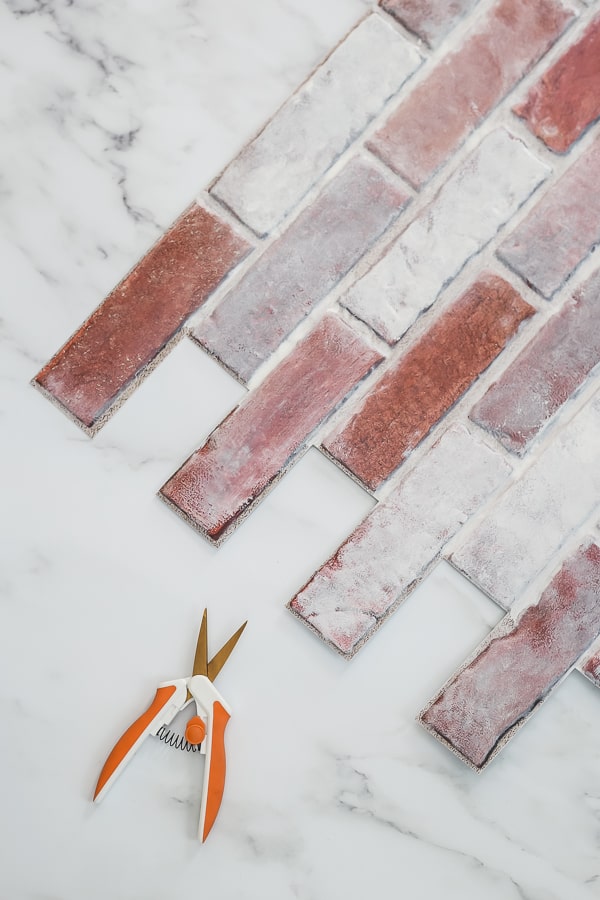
x=177, y=741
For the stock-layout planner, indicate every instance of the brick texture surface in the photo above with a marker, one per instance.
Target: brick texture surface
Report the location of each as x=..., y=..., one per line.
x=416, y=392
x=254, y=445
x=478, y=198
x=436, y=117
x=300, y=268
x=147, y=309
x=431, y=20
x=531, y=521
x=365, y=580
x=566, y=100
x=520, y=664
x=310, y=131
x=561, y=230
x=546, y=373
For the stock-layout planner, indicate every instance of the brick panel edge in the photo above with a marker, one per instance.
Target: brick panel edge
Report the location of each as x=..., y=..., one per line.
x=127, y=334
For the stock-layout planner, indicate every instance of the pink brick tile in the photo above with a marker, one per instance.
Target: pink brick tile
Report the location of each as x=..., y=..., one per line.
x=566, y=100
x=300, y=268
x=310, y=131
x=530, y=522
x=431, y=20
x=516, y=669
x=123, y=338
x=250, y=450
x=380, y=563
x=546, y=373
x=478, y=198
x=561, y=230
x=427, y=380
x=439, y=114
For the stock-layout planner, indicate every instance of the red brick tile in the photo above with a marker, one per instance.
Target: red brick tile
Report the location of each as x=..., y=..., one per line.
x=521, y=662
x=423, y=384
x=561, y=230
x=145, y=311
x=301, y=268
x=253, y=446
x=431, y=20
x=546, y=373
x=439, y=114
x=566, y=100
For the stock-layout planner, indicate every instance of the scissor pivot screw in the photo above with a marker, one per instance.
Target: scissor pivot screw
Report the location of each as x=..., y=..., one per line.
x=195, y=731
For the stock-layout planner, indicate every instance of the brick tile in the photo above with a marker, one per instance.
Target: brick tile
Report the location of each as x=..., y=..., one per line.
x=566, y=99
x=462, y=89
x=427, y=380
x=264, y=183
x=365, y=580
x=516, y=669
x=534, y=517
x=250, y=450
x=546, y=373
x=123, y=337
x=591, y=667
x=300, y=268
x=561, y=230
x=478, y=198
x=431, y=20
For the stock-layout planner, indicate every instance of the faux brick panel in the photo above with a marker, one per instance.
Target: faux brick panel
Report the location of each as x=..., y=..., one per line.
x=521, y=662
x=561, y=230
x=365, y=580
x=264, y=183
x=431, y=20
x=427, y=380
x=546, y=373
x=478, y=198
x=535, y=515
x=127, y=332
x=439, y=114
x=566, y=100
x=255, y=444
x=300, y=268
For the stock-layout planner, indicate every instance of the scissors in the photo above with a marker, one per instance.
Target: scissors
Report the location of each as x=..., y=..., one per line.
x=205, y=732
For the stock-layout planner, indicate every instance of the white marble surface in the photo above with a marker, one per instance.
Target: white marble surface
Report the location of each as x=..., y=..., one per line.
x=113, y=116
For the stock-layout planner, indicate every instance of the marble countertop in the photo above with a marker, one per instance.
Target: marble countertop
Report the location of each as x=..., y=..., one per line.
x=114, y=116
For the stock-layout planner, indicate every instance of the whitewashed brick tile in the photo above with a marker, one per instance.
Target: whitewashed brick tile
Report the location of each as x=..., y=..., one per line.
x=470, y=208
x=536, y=514
x=272, y=173
x=363, y=582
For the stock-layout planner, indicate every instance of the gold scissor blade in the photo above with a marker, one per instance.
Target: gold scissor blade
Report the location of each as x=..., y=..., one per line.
x=220, y=658
x=201, y=657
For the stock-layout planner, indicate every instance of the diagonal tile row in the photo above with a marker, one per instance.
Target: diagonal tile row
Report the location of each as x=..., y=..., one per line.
x=391, y=309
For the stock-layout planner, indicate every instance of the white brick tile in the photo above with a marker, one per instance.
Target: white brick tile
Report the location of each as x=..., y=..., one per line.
x=264, y=183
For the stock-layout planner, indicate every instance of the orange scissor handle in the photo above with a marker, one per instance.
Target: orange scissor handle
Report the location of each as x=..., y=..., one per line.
x=127, y=743
x=217, y=767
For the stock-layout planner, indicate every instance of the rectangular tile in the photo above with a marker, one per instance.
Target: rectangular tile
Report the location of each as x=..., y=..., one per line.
x=536, y=514
x=414, y=394
x=377, y=566
x=431, y=20
x=547, y=372
x=251, y=449
x=476, y=201
x=301, y=268
x=520, y=663
x=437, y=116
x=562, y=105
x=272, y=174
x=561, y=230
x=125, y=335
